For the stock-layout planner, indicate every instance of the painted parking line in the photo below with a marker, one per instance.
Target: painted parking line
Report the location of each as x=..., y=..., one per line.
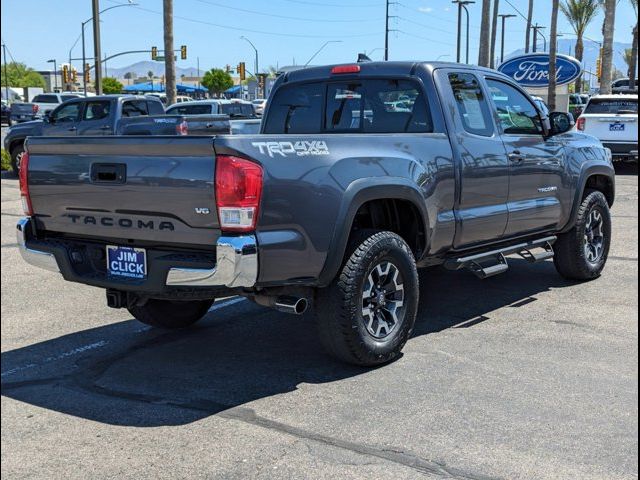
x=100, y=343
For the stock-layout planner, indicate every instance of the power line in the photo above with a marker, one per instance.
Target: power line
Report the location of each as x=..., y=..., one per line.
x=286, y=17
x=318, y=4
x=241, y=29
x=517, y=11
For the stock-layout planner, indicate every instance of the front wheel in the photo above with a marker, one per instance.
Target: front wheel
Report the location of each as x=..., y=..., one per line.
x=171, y=314
x=17, y=153
x=581, y=253
x=367, y=314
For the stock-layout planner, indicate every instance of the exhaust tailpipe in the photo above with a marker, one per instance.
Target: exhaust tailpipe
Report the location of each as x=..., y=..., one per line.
x=285, y=304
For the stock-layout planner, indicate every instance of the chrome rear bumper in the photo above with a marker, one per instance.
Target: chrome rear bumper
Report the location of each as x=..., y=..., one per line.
x=236, y=262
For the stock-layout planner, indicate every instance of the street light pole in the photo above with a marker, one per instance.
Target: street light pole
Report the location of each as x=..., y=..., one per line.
x=462, y=4
x=6, y=78
x=55, y=73
x=255, y=50
x=320, y=49
x=503, y=18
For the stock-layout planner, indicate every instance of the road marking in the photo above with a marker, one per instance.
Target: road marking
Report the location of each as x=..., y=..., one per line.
x=102, y=343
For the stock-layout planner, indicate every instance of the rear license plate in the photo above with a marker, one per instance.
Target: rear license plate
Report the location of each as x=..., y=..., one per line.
x=616, y=127
x=126, y=261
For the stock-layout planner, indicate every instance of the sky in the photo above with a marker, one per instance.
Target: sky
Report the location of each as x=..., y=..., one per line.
x=284, y=31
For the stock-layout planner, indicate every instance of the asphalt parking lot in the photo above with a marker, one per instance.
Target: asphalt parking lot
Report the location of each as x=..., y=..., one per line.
x=522, y=376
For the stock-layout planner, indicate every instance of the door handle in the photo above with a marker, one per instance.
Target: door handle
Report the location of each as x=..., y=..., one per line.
x=105, y=127
x=516, y=156
x=72, y=129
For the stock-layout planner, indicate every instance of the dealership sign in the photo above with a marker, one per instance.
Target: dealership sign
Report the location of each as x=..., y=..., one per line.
x=532, y=70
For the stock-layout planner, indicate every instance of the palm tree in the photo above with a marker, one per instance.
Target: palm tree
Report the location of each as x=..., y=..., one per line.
x=580, y=14
x=607, y=45
x=529, y=20
x=494, y=31
x=553, y=46
x=634, y=48
x=485, y=34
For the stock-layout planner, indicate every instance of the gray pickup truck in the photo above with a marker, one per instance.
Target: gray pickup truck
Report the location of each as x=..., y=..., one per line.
x=111, y=115
x=361, y=174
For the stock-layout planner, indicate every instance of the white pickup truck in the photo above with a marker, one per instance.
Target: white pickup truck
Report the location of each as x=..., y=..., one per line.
x=613, y=119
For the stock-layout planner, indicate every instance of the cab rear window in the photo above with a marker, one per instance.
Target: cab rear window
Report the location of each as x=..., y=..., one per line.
x=359, y=106
x=612, y=106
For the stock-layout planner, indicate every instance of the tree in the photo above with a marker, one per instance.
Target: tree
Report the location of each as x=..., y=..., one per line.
x=607, y=46
x=633, y=65
x=150, y=75
x=111, y=85
x=19, y=75
x=529, y=21
x=485, y=34
x=553, y=55
x=217, y=81
x=494, y=32
x=580, y=13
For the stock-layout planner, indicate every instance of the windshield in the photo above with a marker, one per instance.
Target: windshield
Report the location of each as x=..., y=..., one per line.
x=613, y=106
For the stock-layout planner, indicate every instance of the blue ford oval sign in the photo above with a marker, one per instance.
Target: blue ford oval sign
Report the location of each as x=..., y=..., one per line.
x=532, y=70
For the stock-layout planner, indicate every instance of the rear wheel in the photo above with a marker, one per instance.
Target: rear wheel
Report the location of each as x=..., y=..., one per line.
x=17, y=153
x=367, y=315
x=581, y=253
x=171, y=314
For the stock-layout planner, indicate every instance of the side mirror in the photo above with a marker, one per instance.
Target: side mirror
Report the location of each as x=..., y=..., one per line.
x=561, y=122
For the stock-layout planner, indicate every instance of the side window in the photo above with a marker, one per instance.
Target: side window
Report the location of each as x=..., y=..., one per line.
x=67, y=113
x=472, y=105
x=134, y=108
x=296, y=109
x=155, y=108
x=46, y=99
x=97, y=110
x=518, y=116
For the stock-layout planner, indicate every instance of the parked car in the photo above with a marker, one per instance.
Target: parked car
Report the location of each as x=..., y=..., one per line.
x=336, y=202
x=163, y=98
x=40, y=106
x=259, y=104
x=110, y=115
x=622, y=85
x=613, y=119
x=241, y=113
x=6, y=113
x=576, y=104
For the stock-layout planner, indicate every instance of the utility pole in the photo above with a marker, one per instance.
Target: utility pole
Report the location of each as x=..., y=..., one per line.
x=169, y=60
x=536, y=31
x=386, y=34
x=6, y=78
x=529, y=19
x=97, y=55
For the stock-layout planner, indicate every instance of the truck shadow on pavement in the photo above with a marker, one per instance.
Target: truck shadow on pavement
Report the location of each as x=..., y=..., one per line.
x=125, y=374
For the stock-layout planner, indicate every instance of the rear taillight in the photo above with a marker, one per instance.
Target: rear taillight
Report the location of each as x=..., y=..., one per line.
x=182, y=128
x=35, y=108
x=581, y=123
x=24, y=185
x=238, y=193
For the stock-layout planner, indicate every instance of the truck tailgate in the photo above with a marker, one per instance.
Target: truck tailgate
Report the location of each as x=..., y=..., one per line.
x=155, y=190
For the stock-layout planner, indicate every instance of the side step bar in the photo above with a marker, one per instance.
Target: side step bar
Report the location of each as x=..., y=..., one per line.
x=494, y=262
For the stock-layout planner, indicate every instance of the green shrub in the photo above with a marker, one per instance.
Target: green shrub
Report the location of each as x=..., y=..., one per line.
x=6, y=160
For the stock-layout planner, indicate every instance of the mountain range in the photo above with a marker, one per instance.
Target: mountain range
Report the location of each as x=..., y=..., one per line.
x=565, y=46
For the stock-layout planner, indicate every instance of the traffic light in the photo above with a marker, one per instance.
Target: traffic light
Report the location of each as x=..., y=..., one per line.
x=227, y=68
x=74, y=75
x=242, y=71
x=87, y=75
x=599, y=64
x=65, y=74
x=183, y=52
x=154, y=53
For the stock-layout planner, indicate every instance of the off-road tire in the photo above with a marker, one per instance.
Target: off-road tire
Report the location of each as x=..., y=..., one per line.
x=570, y=253
x=170, y=314
x=342, y=328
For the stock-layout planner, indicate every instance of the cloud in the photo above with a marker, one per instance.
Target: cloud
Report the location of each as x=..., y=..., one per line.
x=425, y=9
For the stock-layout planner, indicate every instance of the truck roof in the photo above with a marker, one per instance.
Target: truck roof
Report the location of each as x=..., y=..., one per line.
x=378, y=68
